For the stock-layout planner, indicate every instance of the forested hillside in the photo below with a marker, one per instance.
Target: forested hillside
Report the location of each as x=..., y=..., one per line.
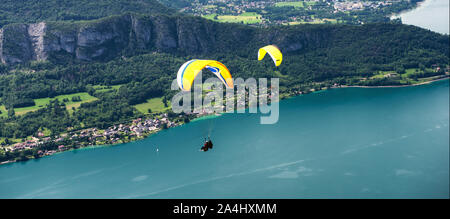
x=31, y=11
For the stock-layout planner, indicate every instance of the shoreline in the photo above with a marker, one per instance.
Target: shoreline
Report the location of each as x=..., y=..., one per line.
x=395, y=86
x=214, y=116
x=398, y=14
x=435, y=9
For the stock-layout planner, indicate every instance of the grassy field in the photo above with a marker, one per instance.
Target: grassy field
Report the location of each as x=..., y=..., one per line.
x=331, y=20
x=297, y=4
x=382, y=74
x=155, y=104
x=246, y=18
x=405, y=78
x=411, y=71
x=209, y=16
x=408, y=72
x=11, y=140
x=40, y=103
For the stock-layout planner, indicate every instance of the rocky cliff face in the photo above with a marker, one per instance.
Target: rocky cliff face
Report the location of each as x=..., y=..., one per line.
x=16, y=45
x=106, y=38
x=36, y=37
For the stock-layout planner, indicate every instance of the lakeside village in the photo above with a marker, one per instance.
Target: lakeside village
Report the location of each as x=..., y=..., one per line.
x=241, y=7
x=40, y=145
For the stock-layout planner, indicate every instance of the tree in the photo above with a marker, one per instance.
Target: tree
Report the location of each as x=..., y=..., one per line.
x=164, y=100
x=11, y=112
x=3, y=69
x=90, y=90
x=76, y=99
x=35, y=154
x=421, y=67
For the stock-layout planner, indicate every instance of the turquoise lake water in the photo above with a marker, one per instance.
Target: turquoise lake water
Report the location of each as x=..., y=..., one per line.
x=431, y=14
x=341, y=143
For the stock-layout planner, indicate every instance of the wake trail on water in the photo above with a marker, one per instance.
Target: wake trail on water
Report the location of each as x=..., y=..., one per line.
x=219, y=178
x=51, y=189
x=379, y=143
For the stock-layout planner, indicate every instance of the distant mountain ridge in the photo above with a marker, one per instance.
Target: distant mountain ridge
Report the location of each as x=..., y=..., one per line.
x=130, y=34
x=106, y=38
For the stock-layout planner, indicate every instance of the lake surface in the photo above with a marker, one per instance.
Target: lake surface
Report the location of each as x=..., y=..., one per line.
x=431, y=14
x=341, y=143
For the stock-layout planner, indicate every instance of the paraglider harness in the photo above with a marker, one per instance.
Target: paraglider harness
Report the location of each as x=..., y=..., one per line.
x=208, y=145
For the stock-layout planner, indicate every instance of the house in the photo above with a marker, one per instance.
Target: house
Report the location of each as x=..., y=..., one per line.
x=391, y=75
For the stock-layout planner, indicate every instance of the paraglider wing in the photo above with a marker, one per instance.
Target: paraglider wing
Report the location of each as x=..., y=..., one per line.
x=274, y=53
x=189, y=70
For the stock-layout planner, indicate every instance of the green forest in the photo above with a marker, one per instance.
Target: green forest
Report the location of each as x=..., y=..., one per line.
x=32, y=11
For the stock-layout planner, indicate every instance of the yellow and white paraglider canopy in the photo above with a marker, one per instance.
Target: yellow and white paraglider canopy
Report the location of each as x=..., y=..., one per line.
x=189, y=70
x=273, y=51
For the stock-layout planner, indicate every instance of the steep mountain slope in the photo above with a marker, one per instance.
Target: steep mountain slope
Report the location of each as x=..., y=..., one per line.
x=132, y=34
